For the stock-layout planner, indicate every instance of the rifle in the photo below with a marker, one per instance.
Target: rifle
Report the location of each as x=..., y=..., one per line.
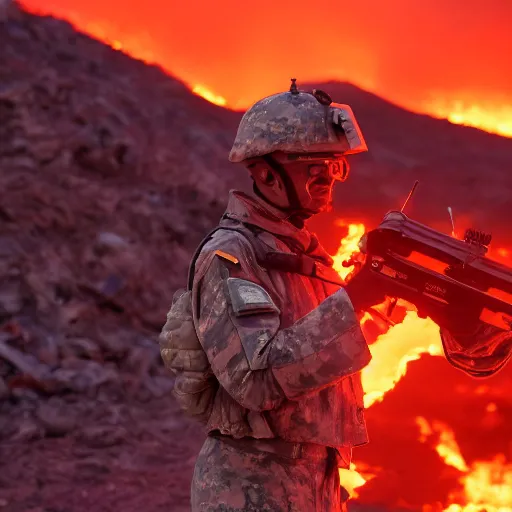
x=432, y=269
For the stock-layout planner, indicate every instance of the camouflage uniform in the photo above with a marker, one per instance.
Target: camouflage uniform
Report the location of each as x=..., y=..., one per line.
x=287, y=350
x=274, y=368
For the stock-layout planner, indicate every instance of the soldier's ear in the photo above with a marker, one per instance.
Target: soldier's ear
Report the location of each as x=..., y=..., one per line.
x=268, y=177
x=261, y=172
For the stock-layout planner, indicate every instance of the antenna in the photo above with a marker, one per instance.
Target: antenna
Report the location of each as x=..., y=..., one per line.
x=450, y=211
x=410, y=195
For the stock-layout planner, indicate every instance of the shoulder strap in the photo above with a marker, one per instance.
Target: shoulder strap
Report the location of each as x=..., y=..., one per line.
x=247, y=233
x=285, y=262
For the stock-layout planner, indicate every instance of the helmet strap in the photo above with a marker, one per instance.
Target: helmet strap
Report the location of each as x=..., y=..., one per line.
x=289, y=187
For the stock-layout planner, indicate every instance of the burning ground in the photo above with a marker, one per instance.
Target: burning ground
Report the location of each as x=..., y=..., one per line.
x=110, y=173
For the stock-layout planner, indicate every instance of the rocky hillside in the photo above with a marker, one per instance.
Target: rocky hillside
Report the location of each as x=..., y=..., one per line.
x=110, y=173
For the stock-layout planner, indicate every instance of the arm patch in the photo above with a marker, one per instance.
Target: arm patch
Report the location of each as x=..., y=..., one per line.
x=227, y=256
x=249, y=298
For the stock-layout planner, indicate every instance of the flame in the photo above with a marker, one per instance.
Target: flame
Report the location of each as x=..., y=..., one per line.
x=492, y=407
x=447, y=447
x=497, y=120
x=208, y=95
x=486, y=486
x=391, y=353
x=355, y=477
x=348, y=247
x=401, y=344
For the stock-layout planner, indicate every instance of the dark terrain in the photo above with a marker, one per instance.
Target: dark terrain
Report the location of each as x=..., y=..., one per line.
x=110, y=173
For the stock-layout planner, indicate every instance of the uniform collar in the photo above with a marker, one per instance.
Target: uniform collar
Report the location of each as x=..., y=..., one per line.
x=252, y=211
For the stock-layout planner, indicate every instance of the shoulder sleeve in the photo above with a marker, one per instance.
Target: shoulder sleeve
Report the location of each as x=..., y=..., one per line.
x=255, y=360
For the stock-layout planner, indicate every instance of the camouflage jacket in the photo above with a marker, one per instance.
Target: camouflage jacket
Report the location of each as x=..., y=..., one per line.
x=286, y=349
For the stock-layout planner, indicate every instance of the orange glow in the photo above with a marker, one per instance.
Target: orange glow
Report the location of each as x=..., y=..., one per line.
x=209, y=95
x=403, y=343
x=446, y=447
x=500, y=294
x=458, y=112
x=355, y=477
x=428, y=262
x=492, y=407
x=348, y=247
x=485, y=485
x=242, y=52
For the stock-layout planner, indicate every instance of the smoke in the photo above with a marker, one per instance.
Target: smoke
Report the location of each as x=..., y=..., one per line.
x=413, y=53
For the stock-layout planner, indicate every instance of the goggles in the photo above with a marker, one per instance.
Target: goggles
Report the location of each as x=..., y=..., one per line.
x=335, y=168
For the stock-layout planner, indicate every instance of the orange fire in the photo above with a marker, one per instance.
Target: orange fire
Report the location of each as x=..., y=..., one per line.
x=356, y=477
x=403, y=343
x=254, y=56
x=205, y=93
x=486, y=485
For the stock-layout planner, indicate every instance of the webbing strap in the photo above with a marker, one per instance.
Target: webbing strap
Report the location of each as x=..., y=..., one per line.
x=251, y=237
x=270, y=260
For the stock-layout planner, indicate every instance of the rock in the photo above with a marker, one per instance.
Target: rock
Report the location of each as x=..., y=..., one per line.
x=139, y=362
x=27, y=430
x=8, y=9
x=115, y=344
x=82, y=348
x=46, y=150
x=11, y=300
x=159, y=386
x=102, y=436
x=56, y=418
x=72, y=311
x=4, y=390
x=93, y=466
x=84, y=375
x=110, y=241
x=48, y=349
x=25, y=363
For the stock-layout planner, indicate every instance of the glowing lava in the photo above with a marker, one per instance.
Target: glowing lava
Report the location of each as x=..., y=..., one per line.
x=486, y=486
x=202, y=91
x=403, y=343
x=489, y=119
x=356, y=477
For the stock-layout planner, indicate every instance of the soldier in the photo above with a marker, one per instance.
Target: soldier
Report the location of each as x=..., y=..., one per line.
x=278, y=383
x=266, y=343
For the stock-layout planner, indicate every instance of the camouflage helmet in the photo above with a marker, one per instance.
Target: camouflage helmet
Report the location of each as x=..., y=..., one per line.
x=297, y=122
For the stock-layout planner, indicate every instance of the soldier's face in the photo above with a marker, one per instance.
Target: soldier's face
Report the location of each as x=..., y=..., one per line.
x=314, y=181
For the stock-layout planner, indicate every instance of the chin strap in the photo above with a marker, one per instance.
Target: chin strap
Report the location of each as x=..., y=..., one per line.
x=291, y=193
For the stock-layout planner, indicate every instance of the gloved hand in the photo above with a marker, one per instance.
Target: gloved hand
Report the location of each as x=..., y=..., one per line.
x=364, y=290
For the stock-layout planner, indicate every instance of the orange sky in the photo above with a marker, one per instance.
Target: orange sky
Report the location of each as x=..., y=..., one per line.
x=444, y=57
